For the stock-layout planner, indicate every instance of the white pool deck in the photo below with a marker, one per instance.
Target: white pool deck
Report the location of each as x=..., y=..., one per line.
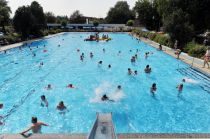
x=195, y=62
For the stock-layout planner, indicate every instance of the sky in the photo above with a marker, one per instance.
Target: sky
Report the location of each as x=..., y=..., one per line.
x=94, y=8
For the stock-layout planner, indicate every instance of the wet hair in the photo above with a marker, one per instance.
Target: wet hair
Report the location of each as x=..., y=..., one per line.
x=119, y=86
x=129, y=69
x=147, y=66
x=34, y=120
x=43, y=97
x=1, y=105
x=61, y=103
x=100, y=62
x=109, y=66
x=154, y=85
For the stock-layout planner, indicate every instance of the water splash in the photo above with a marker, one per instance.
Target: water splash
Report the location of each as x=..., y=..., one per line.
x=108, y=89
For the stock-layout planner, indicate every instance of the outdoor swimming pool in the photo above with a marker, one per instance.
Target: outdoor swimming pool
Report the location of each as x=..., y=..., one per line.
x=135, y=110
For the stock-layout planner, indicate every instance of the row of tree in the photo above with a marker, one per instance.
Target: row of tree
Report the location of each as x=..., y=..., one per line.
x=181, y=19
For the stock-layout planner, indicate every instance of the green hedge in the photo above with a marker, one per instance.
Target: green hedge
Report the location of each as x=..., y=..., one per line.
x=159, y=38
x=195, y=50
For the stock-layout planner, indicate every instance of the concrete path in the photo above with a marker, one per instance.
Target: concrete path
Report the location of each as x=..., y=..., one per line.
x=2, y=48
x=194, y=62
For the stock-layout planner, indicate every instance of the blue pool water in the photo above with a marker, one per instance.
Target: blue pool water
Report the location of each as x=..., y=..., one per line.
x=135, y=110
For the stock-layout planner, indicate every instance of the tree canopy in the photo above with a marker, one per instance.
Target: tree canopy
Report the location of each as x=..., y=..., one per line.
x=77, y=18
x=4, y=14
x=120, y=13
x=147, y=14
x=50, y=17
x=29, y=20
x=23, y=21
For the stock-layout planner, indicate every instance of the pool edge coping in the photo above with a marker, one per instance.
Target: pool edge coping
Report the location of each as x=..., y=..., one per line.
x=170, y=52
x=119, y=136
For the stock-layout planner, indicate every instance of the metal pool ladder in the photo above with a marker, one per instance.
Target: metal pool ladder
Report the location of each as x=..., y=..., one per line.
x=103, y=127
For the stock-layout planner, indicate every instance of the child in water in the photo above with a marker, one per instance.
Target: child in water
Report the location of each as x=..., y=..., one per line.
x=44, y=101
x=153, y=88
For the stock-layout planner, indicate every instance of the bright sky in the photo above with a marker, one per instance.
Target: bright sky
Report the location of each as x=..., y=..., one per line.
x=95, y=8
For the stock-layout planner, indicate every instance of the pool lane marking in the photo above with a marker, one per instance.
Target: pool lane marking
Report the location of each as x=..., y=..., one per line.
x=24, y=98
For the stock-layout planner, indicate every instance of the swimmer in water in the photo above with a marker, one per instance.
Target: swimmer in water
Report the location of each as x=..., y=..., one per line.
x=109, y=66
x=147, y=69
x=129, y=71
x=146, y=55
x=153, y=88
x=81, y=58
x=49, y=87
x=136, y=56
x=119, y=87
x=41, y=64
x=180, y=87
x=1, y=117
x=135, y=72
x=70, y=86
x=44, y=101
x=78, y=50
x=35, y=127
x=91, y=55
x=104, y=98
x=104, y=50
x=61, y=106
x=100, y=63
x=133, y=60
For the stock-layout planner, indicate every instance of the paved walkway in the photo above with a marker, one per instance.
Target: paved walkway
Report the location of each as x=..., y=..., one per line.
x=2, y=48
x=194, y=62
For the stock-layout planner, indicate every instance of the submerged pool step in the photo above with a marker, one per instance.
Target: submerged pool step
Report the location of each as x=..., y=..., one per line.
x=191, y=73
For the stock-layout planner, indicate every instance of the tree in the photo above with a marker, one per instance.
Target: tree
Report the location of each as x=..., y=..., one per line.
x=179, y=28
x=50, y=17
x=64, y=23
x=130, y=23
x=4, y=14
x=147, y=14
x=39, y=18
x=23, y=21
x=120, y=13
x=77, y=18
x=95, y=23
x=60, y=19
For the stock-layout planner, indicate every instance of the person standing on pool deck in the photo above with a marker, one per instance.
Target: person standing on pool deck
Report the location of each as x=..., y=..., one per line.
x=35, y=127
x=206, y=58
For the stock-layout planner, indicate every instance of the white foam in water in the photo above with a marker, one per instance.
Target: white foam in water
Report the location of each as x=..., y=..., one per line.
x=188, y=80
x=109, y=90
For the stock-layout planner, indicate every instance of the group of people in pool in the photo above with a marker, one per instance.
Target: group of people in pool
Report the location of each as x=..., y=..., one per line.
x=36, y=125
